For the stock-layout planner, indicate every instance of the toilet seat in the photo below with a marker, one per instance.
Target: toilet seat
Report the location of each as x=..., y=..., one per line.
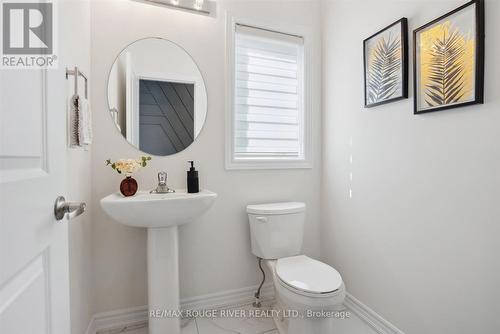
x=304, y=275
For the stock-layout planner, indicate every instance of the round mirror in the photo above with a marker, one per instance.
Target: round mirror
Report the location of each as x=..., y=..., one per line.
x=157, y=97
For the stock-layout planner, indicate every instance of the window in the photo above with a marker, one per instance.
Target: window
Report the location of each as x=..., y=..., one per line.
x=267, y=119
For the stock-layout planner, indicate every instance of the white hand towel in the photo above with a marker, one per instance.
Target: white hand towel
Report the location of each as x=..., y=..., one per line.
x=84, y=122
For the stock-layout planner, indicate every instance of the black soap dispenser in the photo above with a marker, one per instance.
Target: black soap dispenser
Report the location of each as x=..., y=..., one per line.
x=193, y=184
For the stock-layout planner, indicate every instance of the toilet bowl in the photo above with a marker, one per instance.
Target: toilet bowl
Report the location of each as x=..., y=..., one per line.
x=308, y=292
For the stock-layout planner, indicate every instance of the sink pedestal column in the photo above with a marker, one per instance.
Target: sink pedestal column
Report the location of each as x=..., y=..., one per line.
x=163, y=280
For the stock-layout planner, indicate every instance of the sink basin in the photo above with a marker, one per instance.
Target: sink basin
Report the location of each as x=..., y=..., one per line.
x=158, y=210
x=160, y=214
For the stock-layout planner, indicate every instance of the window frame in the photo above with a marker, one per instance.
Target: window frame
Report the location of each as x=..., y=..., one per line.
x=308, y=108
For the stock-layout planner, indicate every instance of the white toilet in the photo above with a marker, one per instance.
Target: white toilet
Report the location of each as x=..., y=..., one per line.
x=301, y=283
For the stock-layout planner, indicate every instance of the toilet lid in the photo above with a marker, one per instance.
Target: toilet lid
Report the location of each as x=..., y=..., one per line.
x=305, y=274
x=276, y=208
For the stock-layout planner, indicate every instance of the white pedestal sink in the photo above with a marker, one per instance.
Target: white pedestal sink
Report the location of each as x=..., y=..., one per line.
x=160, y=214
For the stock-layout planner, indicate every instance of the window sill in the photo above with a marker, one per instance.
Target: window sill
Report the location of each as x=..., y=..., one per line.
x=263, y=165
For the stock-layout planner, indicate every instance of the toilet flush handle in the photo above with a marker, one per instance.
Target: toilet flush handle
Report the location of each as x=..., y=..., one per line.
x=261, y=219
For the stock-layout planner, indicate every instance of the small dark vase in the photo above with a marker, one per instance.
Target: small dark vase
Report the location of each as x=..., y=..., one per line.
x=128, y=187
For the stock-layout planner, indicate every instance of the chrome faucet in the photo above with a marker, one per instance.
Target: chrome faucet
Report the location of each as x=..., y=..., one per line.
x=162, y=187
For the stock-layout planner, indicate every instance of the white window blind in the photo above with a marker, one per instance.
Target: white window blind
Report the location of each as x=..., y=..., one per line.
x=268, y=95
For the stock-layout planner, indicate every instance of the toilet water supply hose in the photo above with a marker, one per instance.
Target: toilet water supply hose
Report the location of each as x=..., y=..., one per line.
x=257, y=294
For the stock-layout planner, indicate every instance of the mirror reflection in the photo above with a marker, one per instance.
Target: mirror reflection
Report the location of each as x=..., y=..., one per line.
x=157, y=97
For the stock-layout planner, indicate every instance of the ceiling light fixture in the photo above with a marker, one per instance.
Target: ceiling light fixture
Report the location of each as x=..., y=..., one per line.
x=200, y=6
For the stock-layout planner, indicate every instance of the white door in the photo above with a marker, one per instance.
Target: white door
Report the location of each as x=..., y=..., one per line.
x=34, y=277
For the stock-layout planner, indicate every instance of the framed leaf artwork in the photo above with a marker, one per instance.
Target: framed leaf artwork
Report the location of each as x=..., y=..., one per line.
x=386, y=64
x=449, y=60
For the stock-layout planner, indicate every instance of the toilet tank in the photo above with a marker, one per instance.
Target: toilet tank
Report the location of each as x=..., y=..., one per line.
x=276, y=229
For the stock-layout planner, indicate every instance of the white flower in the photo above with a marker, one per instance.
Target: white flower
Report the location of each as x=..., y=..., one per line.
x=127, y=166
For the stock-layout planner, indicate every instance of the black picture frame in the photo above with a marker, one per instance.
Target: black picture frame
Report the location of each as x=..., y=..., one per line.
x=479, y=58
x=403, y=22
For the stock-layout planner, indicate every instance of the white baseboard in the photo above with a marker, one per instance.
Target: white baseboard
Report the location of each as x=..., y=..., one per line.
x=135, y=316
x=106, y=321
x=227, y=298
x=372, y=318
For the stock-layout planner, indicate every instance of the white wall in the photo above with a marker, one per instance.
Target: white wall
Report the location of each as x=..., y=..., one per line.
x=419, y=240
x=75, y=42
x=214, y=252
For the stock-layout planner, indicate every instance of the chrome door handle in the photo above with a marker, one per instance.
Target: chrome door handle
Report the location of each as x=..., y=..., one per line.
x=71, y=210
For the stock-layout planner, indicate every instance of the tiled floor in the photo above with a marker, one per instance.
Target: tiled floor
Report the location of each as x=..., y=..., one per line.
x=351, y=325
